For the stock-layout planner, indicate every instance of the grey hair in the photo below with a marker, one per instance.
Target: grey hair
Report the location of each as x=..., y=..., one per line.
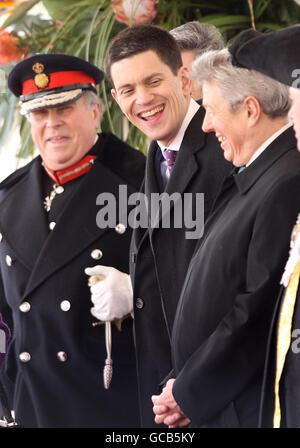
x=92, y=99
x=238, y=83
x=199, y=37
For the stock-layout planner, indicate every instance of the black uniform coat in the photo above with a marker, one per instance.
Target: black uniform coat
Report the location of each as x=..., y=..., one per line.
x=160, y=257
x=48, y=268
x=223, y=317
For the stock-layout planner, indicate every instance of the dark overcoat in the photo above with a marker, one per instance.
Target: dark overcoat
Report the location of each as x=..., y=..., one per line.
x=160, y=256
x=61, y=384
x=221, y=327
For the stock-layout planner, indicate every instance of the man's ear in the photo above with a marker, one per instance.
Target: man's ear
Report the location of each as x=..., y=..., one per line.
x=185, y=80
x=253, y=109
x=114, y=95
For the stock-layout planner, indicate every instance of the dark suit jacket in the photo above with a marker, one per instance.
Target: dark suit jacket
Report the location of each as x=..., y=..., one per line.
x=160, y=256
x=48, y=268
x=228, y=298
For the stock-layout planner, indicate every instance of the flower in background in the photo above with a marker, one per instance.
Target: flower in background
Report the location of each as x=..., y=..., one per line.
x=9, y=48
x=135, y=11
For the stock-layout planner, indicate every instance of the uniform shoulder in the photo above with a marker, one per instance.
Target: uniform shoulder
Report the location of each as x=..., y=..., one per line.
x=16, y=176
x=124, y=160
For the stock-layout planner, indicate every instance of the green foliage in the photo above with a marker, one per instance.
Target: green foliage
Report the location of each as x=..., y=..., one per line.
x=85, y=27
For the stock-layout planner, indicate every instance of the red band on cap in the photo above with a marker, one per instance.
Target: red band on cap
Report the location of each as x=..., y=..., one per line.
x=58, y=79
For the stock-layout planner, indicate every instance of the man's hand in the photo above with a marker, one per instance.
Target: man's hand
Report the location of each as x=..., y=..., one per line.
x=113, y=296
x=166, y=409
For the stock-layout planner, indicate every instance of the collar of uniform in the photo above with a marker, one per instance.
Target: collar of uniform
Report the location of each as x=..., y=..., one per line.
x=72, y=172
x=176, y=143
x=282, y=144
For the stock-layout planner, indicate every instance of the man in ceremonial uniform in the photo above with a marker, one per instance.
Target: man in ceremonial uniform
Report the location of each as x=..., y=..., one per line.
x=276, y=55
x=54, y=368
x=152, y=89
x=224, y=313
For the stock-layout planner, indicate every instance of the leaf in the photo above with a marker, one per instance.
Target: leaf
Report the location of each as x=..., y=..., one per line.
x=19, y=13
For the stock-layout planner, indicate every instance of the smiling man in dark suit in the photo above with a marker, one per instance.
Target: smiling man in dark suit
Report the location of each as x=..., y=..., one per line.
x=151, y=87
x=49, y=235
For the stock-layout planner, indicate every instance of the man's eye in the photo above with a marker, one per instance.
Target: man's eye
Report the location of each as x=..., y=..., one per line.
x=126, y=91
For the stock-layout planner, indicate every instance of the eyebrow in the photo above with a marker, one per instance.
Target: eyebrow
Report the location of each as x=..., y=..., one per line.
x=144, y=80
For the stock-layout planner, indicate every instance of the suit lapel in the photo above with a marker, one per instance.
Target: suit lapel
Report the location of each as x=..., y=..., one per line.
x=185, y=168
x=25, y=236
x=74, y=230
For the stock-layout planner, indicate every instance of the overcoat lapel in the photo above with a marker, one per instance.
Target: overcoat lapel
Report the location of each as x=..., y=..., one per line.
x=25, y=236
x=185, y=168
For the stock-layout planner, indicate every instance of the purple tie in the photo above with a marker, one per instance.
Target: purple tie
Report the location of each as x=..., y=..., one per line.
x=170, y=158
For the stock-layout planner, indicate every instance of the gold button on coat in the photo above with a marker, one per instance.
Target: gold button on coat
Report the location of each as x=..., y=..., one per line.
x=25, y=307
x=24, y=357
x=8, y=260
x=65, y=305
x=120, y=228
x=62, y=356
x=96, y=254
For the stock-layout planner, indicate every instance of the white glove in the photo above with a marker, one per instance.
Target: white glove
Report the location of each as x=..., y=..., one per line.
x=113, y=296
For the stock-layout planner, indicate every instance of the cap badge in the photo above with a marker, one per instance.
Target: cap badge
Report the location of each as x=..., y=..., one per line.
x=41, y=80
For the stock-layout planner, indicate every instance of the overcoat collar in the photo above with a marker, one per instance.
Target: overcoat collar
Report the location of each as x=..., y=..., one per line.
x=284, y=143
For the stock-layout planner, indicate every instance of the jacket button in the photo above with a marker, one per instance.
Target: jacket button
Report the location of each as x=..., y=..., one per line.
x=25, y=307
x=96, y=254
x=65, y=305
x=8, y=260
x=62, y=356
x=120, y=228
x=24, y=357
x=139, y=304
x=52, y=225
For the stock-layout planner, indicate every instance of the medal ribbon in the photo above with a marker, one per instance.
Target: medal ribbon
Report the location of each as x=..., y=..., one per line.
x=284, y=336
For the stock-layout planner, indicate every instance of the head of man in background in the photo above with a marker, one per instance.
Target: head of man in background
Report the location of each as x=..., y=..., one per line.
x=194, y=39
x=276, y=55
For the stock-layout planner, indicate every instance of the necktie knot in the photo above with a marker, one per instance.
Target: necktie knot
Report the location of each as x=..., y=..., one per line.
x=170, y=156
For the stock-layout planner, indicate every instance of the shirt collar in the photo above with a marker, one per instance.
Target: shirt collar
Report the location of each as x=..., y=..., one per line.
x=267, y=142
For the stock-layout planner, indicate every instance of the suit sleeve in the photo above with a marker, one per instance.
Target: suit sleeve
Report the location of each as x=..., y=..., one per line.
x=232, y=358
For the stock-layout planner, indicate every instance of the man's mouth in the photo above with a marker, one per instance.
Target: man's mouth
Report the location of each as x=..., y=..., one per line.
x=151, y=113
x=57, y=139
x=221, y=138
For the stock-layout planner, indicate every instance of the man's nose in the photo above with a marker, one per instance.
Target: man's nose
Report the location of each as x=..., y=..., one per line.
x=143, y=96
x=53, y=119
x=207, y=124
